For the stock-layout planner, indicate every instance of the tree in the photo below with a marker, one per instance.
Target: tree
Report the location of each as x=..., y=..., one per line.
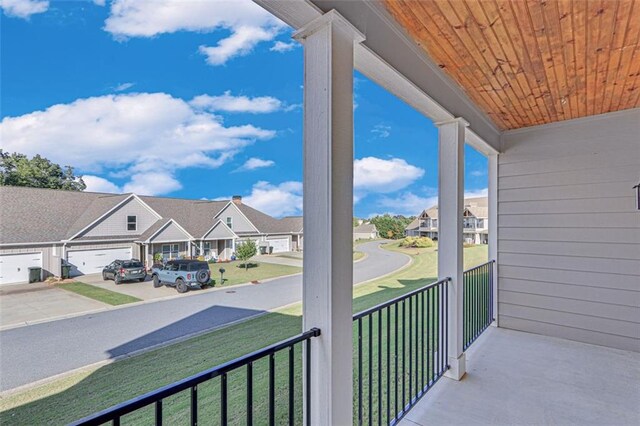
x=245, y=251
x=391, y=226
x=38, y=172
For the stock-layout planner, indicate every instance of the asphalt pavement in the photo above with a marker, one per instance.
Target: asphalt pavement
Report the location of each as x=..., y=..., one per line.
x=39, y=351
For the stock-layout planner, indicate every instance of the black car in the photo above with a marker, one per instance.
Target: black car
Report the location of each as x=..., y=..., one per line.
x=124, y=270
x=181, y=274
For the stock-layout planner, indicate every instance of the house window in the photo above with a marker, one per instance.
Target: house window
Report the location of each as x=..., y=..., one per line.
x=207, y=248
x=170, y=251
x=230, y=222
x=132, y=223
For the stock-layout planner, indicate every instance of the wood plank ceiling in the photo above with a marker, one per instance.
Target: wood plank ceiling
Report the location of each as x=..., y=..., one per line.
x=528, y=62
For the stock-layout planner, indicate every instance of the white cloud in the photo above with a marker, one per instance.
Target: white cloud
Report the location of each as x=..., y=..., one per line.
x=284, y=199
x=131, y=135
x=255, y=163
x=371, y=174
x=23, y=8
x=381, y=131
x=100, y=2
x=248, y=23
x=281, y=46
x=410, y=204
x=229, y=103
x=407, y=204
x=124, y=86
x=476, y=193
x=98, y=184
x=240, y=43
x=152, y=183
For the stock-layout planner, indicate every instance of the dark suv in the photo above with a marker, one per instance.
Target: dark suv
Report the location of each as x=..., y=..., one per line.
x=182, y=274
x=124, y=270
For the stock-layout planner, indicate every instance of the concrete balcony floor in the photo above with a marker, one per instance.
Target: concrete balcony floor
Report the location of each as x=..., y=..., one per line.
x=516, y=378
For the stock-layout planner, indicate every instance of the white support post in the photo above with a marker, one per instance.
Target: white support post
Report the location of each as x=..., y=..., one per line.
x=328, y=211
x=451, y=136
x=493, y=229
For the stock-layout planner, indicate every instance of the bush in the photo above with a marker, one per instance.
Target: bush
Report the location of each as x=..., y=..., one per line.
x=417, y=242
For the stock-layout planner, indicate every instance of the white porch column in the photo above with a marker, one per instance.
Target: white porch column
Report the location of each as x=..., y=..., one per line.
x=493, y=228
x=451, y=136
x=328, y=212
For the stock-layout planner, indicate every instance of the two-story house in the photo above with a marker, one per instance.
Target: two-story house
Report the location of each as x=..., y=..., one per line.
x=476, y=225
x=45, y=227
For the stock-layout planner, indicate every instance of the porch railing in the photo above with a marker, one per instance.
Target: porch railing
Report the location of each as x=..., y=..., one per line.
x=237, y=391
x=477, y=301
x=401, y=351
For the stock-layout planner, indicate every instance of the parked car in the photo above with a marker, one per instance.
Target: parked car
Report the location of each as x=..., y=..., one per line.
x=182, y=274
x=124, y=270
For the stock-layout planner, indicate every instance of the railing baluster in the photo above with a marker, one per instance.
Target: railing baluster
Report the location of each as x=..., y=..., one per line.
x=388, y=364
x=395, y=371
x=423, y=336
x=272, y=390
x=360, y=371
x=194, y=406
x=410, y=348
x=308, y=393
x=370, y=368
x=428, y=337
x=379, y=367
x=291, y=385
x=159, y=413
x=116, y=421
x=403, y=355
x=446, y=324
x=416, y=370
x=223, y=399
x=249, y=394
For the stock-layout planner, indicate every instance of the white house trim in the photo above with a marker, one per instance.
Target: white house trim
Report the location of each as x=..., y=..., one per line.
x=220, y=221
x=163, y=227
x=231, y=203
x=114, y=208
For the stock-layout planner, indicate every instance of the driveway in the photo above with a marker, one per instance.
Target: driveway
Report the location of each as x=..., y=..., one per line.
x=77, y=342
x=143, y=291
x=23, y=304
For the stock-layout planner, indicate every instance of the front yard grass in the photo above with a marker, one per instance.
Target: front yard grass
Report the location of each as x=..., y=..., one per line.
x=100, y=294
x=86, y=392
x=235, y=273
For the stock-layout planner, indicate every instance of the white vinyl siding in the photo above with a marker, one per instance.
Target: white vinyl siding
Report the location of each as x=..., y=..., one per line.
x=569, y=233
x=170, y=233
x=238, y=220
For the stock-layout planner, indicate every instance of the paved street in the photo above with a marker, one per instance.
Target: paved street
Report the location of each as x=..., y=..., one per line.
x=35, y=352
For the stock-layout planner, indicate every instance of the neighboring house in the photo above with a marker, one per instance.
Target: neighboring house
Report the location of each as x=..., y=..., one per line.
x=44, y=227
x=365, y=231
x=476, y=226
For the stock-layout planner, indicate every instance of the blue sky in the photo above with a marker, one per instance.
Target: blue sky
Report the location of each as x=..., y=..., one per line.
x=196, y=102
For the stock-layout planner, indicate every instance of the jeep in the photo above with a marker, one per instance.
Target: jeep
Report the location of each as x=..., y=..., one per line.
x=181, y=274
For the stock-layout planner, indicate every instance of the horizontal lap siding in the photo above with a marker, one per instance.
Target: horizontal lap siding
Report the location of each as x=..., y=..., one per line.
x=569, y=233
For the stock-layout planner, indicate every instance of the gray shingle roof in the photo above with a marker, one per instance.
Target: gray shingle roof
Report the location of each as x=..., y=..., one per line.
x=46, y=215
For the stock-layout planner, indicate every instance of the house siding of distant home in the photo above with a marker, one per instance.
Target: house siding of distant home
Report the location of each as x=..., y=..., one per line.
x=44, y=227
x=365, y=231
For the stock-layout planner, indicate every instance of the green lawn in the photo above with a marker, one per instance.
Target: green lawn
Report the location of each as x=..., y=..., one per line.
x=80, y=394
x=100, y=294
x=235, y=273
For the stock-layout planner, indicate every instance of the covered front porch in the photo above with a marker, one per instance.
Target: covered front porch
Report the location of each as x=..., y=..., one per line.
x=515, y=377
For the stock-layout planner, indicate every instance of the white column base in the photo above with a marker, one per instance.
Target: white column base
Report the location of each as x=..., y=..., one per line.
x=457, y=367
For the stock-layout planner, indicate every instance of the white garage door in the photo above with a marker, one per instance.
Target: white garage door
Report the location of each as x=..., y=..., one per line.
x=92, y=261
x=14, y=268
x=279, y=245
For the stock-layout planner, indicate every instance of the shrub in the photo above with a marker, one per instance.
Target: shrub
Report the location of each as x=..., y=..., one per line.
x=417, y=242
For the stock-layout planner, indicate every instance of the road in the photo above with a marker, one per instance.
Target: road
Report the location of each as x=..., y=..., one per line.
x=39, y=351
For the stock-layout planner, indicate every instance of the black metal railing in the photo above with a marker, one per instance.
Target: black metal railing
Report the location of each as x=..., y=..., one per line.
x=241, y=390
x=401, y=351
x=477, y=301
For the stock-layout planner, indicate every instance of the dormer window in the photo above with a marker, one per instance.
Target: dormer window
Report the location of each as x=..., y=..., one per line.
x=230, y=222
x=132, y=223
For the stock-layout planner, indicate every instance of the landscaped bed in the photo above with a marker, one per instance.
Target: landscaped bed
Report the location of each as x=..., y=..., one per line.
x=96, y=293
x=83, y=393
